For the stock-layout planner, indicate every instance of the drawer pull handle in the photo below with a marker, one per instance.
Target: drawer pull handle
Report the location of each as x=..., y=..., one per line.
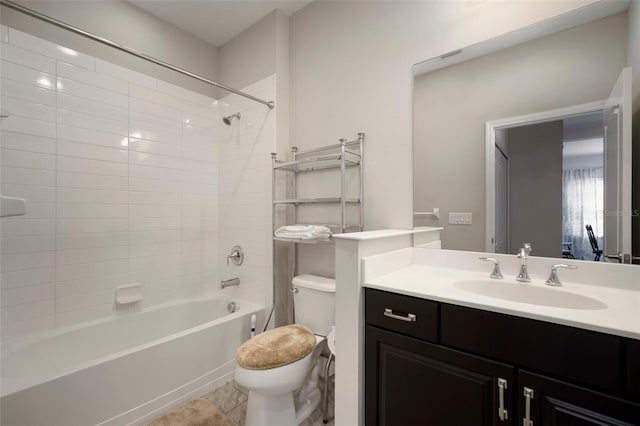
x=389, y=313
x=502, y=413
x=528, y=396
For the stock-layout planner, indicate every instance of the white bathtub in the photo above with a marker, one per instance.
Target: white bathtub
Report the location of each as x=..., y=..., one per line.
x=123, y=370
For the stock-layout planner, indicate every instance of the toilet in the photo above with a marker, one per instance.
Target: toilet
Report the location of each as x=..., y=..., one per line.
x=281, y=367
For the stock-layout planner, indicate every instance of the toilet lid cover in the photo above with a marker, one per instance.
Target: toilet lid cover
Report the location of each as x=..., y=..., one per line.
x=275, y=348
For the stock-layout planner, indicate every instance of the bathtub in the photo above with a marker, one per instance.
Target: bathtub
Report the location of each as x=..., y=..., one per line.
x=124, y=370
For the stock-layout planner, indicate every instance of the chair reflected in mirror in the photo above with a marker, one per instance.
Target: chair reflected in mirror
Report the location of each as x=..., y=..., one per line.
x=594, y=243
x=567, y=250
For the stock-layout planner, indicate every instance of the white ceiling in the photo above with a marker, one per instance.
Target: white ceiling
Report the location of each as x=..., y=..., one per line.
x=216, y=21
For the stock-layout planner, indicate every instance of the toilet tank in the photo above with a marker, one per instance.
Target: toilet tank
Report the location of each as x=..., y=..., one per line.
x=314, y=302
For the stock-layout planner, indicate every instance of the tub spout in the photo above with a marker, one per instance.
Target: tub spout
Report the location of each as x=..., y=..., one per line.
x=229, y=282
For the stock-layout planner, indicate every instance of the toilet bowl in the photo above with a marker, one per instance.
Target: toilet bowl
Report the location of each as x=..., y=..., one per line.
x=287, y=392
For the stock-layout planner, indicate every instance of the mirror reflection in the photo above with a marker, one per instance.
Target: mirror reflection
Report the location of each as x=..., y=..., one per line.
x=540, y=136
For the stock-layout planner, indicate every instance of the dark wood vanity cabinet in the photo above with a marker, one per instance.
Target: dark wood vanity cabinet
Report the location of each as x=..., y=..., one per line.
x=431, y=363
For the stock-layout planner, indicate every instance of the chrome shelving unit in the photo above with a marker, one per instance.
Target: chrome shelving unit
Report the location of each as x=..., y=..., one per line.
x=340, y=156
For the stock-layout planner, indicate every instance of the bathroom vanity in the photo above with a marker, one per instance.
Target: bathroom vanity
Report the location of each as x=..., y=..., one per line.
x=439, y=351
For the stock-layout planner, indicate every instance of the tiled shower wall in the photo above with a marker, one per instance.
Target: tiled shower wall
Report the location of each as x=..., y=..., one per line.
x=121, y=176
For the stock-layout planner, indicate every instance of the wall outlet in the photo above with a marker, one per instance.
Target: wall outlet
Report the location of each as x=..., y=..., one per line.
x=460, y=218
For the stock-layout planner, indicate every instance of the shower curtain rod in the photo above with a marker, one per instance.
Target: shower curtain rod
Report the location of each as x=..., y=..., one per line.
x=131, y=51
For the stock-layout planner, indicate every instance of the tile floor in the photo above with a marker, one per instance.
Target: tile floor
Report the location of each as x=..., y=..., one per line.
x=231, y=399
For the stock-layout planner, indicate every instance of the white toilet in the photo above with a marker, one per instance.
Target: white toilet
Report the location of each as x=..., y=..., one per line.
x=286, y=394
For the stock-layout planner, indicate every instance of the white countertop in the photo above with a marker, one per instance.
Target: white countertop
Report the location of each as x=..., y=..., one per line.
x=620, y=316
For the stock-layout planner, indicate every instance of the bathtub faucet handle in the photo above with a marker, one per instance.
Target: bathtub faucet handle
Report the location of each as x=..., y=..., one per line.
x=236, y=256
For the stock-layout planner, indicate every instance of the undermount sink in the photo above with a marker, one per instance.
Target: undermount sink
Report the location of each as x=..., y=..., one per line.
x=523, y=293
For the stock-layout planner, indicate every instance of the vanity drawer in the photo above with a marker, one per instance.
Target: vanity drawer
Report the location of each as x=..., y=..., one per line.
x=583, y=356
x=633, y=370
x=405, y=314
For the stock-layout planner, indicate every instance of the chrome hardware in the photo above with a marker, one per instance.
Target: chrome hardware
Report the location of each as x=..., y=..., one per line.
x=236, y=256
x=232, y=307
x=229, y=282
x=523, y=255
x=389, y=313
x=528, y=396
x=623, y=258
x=553, y=279
x=294, y=290
x=502, y=413
x=496, y=274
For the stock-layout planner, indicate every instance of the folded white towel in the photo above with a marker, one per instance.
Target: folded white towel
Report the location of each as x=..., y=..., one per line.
x=303, y=232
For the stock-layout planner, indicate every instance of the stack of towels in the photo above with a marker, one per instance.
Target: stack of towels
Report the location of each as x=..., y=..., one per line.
x=303, y=232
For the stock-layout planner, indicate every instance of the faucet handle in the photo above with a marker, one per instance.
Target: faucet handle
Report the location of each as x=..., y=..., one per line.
x=525, y=250
x=496, y=274
x=553, y=279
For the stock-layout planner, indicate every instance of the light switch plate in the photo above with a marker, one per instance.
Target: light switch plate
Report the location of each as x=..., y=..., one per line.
x=460, y=218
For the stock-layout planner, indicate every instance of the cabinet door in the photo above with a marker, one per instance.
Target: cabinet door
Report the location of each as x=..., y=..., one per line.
x=552, y=402
x=412, y=382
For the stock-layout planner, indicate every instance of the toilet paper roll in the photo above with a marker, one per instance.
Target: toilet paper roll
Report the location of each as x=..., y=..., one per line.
x=331, y=340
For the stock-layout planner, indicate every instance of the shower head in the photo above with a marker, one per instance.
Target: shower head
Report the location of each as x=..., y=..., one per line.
x=227, y=120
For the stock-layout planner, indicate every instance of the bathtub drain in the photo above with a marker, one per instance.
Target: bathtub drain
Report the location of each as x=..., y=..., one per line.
x=232, y=307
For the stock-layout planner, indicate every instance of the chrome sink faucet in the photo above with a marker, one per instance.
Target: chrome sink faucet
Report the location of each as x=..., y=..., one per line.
x=523, y=255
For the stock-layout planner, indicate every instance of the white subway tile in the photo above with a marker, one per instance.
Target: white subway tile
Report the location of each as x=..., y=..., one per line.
x=23, y=142
x=96, y=167
x=41, y=194
x=91, y=255
x=25, y=244
x=44, y=47
x=152, y=147
x=147, y=224
x=26, y=75
x=93, y=196
x=207, y=178
x=89, y=270
x=166, y=263
x=27, y=92
x=17, y=55
x=139, y=131
x=19, y=261
x=197, y=199
x=154, y=236
x=88, y=285
x=25, y=159
x=155, y=249
x=29, y=294
x=87, y=91
x=29, y=126
x=93, y=122
x=91, y=240
x=82, y=150
x=138, y=119
x=124, y=74
x=180, y=92
x=93, y=137
x=89, y=226
x=154, y=160
x=91, y=210
x=200, y=155
x=199, y=246
x=28, y=327
x=79, y=180
x=153, y=185
x=39, y=211
x=27, y=311
x=92, y=78
x=146, y=172
x=84, y=300
x=64, y=319
x=19, y=226
x=15, y=106
x=88, y=106
x=198, y=166
x=199, y=188
x=200, y=222
x=154, y=96
x=158, y=198
x=171, y=113
x=26, y=277
x=203, y=210
x=142, y=210
x=206, y=122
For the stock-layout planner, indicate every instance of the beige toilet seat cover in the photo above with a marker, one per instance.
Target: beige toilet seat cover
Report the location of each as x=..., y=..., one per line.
x=275, y=348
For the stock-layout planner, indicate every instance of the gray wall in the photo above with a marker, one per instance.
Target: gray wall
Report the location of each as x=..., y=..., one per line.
x=452, y=105
x=535, y=187
x=123, y=23
x=634, y=62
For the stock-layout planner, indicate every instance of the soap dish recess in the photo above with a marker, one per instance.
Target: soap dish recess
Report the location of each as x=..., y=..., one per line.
x=127, y=294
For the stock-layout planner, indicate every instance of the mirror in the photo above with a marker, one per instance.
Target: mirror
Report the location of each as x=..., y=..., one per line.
x=508, y=130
